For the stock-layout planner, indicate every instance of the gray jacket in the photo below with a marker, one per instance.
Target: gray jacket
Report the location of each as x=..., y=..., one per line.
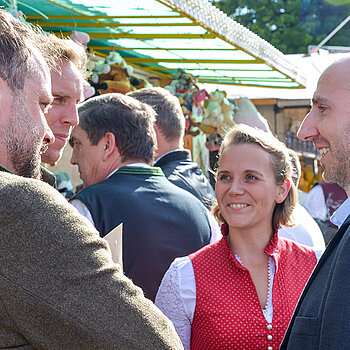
x=59, y=288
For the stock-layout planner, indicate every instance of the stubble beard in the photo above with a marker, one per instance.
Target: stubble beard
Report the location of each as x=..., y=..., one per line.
x=338, y=171
x=23, y=142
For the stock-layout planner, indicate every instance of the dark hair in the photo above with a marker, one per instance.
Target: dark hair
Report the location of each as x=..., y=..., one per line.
x=15, y=51
x=169, y=117
x=129, y=120
x=280, y=163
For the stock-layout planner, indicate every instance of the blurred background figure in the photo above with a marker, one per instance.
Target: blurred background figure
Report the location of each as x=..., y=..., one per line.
x=64, y=183
x=321, y=202
x=305, y=229
x=240, y=292
x=175, y=161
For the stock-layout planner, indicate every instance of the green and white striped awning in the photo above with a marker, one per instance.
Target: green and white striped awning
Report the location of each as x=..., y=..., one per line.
x=160, y=36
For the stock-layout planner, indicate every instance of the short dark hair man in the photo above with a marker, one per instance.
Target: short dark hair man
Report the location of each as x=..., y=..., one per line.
x=59, y=288
x=113, y=147
x=175, y=161
x=322, y=316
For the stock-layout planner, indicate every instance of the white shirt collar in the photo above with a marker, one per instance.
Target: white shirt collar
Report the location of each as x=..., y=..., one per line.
x=341, y=213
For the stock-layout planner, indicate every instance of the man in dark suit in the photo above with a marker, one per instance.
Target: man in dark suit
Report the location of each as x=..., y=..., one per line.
x=175, y=161
x=322, y=317
x=59, y=288
x=113, y=146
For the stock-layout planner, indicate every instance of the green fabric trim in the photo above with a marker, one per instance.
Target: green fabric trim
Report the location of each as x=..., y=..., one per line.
x=5, y=170
x=134, y=170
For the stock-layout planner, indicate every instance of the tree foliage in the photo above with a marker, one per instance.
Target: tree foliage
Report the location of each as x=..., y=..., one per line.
x=291, y=25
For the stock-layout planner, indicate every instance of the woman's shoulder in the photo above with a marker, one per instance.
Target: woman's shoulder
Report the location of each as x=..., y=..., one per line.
x=180, y=263
x=208, y=249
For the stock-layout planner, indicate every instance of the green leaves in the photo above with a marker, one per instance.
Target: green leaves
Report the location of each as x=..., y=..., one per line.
x=291, y=25
x=338, y=2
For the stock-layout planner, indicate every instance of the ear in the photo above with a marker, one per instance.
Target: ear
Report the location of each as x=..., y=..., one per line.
x=109, y=145
x=283, y=191
x=156, y=128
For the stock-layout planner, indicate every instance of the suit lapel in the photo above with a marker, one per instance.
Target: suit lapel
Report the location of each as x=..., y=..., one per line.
x=333, y=244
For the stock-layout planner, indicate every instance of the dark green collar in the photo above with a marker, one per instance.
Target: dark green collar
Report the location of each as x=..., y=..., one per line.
x=135, y=170
x=5, y=170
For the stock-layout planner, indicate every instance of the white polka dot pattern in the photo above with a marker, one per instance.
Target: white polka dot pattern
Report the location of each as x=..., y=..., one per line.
x=228, y=314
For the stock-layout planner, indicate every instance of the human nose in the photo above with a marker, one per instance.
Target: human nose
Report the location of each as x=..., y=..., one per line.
x=236, y=188
x=71, y=116
x=308, y=129
x=73, y=160
x=49, y=137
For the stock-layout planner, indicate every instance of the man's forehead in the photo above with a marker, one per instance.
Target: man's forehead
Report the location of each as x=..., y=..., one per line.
x=38, y=87
x=337, y=75
x=39, y=63
x=67, y=80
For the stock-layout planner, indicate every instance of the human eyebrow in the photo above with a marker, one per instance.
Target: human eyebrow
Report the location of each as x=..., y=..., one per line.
x=252, y=171
x=223, y=171
x=319, y=101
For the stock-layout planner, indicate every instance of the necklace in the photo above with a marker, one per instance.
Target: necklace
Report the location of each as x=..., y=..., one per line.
x=269, y=284
x=269, y=278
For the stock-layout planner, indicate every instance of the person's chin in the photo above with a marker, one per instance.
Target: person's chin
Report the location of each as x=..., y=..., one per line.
x=329, y=175
x=51, y=157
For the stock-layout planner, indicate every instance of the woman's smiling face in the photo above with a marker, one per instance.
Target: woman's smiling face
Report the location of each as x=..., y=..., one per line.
x=246, y=189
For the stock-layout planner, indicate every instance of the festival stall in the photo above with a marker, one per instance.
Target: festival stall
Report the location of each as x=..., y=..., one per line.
x=176, y=44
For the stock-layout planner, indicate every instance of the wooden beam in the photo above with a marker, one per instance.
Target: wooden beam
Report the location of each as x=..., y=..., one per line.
x=264, y=101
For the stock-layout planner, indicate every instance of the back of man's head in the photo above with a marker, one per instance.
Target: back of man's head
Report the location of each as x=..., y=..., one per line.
x=169, y=117
x=129, y=120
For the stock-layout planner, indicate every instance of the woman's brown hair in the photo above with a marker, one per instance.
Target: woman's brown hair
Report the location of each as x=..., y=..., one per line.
x=281, y=165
